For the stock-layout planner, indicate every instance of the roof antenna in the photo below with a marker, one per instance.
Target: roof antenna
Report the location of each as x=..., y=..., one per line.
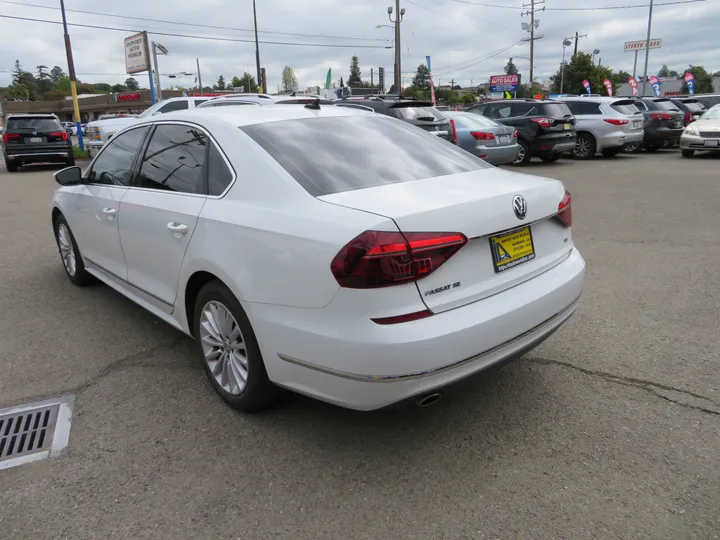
x=315, y=105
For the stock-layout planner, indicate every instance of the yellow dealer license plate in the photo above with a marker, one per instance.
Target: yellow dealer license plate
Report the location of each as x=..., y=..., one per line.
x=512, y=248
x=567, y=126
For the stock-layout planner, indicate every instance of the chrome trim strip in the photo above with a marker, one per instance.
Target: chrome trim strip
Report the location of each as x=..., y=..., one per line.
x=127, y=283
x=553, y=322
x=40, y=154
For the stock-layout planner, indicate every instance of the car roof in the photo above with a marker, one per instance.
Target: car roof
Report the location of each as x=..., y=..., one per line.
x=245, y=116
x=601, y=99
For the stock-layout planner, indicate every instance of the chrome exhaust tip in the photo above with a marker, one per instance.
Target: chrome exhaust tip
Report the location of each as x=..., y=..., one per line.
x=430, y=399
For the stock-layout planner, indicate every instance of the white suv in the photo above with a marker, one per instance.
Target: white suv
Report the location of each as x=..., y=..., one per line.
x=99, y=131
x=604, y=124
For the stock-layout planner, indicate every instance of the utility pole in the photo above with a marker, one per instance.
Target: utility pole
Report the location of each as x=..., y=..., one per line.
x=398, y=19
x=197, y=61
x=257, y=45
x=576, y=40
x=73, y=79
x=531, y=28
x=372, y=80
x=647, y=48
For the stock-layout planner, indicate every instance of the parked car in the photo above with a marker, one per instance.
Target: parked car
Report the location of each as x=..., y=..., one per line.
x=84, y=128
x=663, y=124
x=546, y=128
x=709, y=100
x=35, y=138
x=371, y=263
x=691, y=108
x=418, y=113
x=484, y=138
x=704, y=134
x=100, y=131
x=70, y=128
x=239, y=99
x=604, y=125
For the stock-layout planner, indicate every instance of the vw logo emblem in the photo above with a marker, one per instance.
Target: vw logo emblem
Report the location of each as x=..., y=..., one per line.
x=520, y=207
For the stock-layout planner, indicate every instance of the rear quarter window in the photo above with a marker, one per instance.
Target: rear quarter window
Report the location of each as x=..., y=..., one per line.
x=332, y=155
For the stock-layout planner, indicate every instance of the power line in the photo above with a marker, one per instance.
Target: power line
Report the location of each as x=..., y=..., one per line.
x=211, y=38
x=596, y=8
x=322, y=36
x=488, y=57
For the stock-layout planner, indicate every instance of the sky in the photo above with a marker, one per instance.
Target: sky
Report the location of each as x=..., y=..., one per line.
x=468, y=40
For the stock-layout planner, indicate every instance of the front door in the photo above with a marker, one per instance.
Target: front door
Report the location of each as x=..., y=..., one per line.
x=95, y=217
x=159, y=214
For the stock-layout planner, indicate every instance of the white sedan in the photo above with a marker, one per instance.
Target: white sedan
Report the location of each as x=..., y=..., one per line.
x=340, y=254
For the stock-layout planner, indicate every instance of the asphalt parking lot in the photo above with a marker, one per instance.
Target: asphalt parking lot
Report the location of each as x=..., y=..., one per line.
x=610, y=429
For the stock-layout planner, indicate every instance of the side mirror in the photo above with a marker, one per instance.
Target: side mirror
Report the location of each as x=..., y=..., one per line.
x=70, y=176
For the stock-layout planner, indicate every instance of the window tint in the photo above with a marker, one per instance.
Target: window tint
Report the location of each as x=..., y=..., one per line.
x=417, y=113
x=174, y=160
x=219, y=176
x=499, y=111
x=34, y=124
x=199, y=101
x=521, y=109
x=173, y=106
x=474, y=120
x=559, y=110
x=665, y=106
x=625, y=108
x=641, y=105
x=583, y=107
x=331, y=155
x=114, y=165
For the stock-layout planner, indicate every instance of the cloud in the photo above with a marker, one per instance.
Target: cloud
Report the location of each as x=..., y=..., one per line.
x=452, y=32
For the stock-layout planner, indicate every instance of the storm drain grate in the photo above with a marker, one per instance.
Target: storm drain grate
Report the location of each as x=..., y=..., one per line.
x=34, y=431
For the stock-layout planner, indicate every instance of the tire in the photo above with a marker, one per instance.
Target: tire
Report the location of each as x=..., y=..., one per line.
x=70, y=255
x=222, y=330
x=524, y=156
x=552, y=158
x=11, y=166
x=611, y=152
x=687, y=153
x=585, y=148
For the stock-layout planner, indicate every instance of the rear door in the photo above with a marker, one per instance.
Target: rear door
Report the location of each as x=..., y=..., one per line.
x=158, y=215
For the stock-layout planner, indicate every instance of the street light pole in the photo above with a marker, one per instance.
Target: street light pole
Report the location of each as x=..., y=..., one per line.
x=197, y=61
x=566, y=43
x=647, y=47
x=257, y=49
x=73, y=79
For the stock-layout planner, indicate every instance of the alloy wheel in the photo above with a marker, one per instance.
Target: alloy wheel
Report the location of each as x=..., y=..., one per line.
x=582, y=148
x=224, y=347
x=520, y=155
x=67, y=251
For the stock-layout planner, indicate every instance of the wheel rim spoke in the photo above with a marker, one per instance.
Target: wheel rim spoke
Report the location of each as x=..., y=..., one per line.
x=223, y=347
x=67, y=252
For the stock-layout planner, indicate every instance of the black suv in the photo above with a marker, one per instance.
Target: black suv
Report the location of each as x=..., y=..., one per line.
x=418, y=113
x=663, y=123
x=35, y=138
x=546, y=128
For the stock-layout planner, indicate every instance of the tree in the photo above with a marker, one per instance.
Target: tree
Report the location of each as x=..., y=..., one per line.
x=84, y=88
x=468, y=99
x=623, y=76
x=703, y=81
x=220, y=84
x=341, y=82
x=236, y=83
x=17, y=73
x=63, y=85
x=581, y=68
x=289, y=81
x=511, y=68
x=103, y=88
x=421, y=80
x=248, y=81
x=56, y=74
x=355, y=79
x=118, y=88
x=43, y=79
x=18, y=92
x=53, y=95
x=132, y=83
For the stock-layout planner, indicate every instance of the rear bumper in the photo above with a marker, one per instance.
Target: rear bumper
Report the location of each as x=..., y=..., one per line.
x=498, y=155
x=553, y=146
x=662, y=136
x=619, y=139
x=364, y=366
x=39, y=157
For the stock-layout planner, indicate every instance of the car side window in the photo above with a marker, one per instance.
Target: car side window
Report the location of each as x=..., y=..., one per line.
x=173, y=106
x=500, y=112
x=588, y=107
x=114, y=165
x=219, y=174
x=199, y=101
x=521, y=109
x=174, y=160
x=573, y=106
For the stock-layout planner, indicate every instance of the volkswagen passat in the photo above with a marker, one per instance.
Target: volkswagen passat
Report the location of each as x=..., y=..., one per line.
x=341, y=254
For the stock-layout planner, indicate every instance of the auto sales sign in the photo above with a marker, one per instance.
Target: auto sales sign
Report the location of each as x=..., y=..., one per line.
x=137, y=56
x=504, y=83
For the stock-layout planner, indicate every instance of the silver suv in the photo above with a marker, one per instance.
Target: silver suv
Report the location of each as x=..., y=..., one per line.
x=604, y=124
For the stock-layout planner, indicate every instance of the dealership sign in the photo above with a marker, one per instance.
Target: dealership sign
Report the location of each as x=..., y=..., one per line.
x=137, y=55
x=640, y=45
x=504, y=83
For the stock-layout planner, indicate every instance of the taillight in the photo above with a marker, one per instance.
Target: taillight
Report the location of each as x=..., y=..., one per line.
x=661, y=116
x=454, y=131
x=515, y=134
x=543, y=122
x=380, y=259
x=616, y=122
x=61, y=134
x=7, y=137
x=688, y=117
x=482, y=136
x=564, y=214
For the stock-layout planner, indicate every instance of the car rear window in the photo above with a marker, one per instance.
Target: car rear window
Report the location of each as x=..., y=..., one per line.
x=694, y=106
x=34, y=124
x=624, y=107
x=475, y=120
x=332, y=155
x=555, y=110
x=417, y=113
x=665, y=105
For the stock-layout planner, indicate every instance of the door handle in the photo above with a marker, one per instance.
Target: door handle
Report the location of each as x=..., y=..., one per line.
x=177, y=228
x=109, y=212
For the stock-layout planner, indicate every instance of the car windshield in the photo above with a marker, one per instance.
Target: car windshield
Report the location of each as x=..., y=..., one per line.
x=625, y=108
x=556, y=110
x=412, y=112
x=712, y=114
x=336, y=154
x=34, y=124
